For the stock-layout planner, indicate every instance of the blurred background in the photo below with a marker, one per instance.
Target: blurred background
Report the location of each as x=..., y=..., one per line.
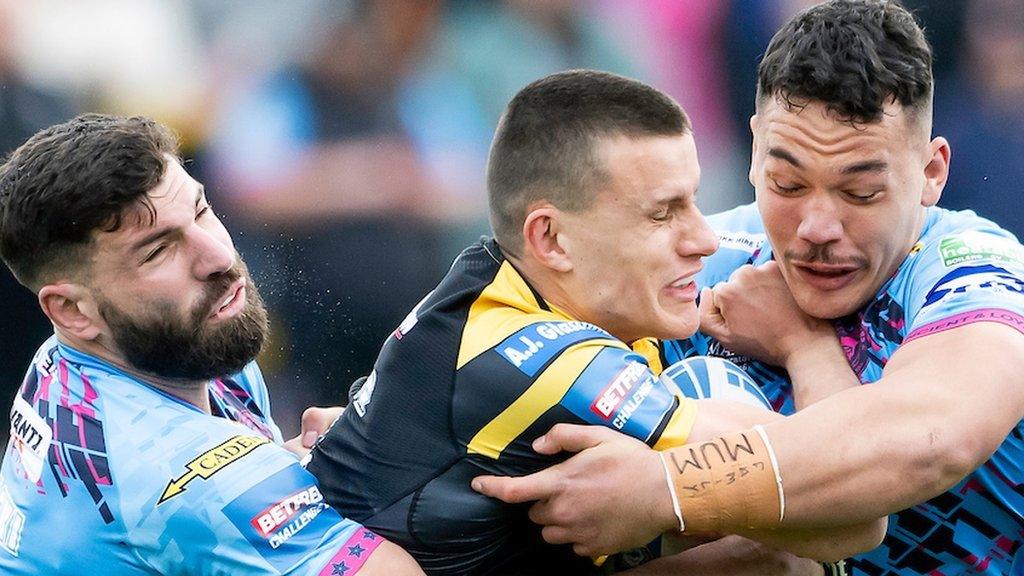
x=344, y=142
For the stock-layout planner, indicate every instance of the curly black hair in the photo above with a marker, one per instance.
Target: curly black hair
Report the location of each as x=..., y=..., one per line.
x=854, y=56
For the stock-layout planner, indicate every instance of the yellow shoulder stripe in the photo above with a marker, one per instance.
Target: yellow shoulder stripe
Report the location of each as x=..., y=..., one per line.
x=545, y=392
x=506, y=306
x=649, y=349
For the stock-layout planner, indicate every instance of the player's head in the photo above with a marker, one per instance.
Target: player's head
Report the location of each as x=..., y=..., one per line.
x=843, y=160
x=100, y=219
x=592, y=176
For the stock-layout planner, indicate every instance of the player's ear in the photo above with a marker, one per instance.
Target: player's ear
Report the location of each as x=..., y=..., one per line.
x=72, y=309
x=542, y=235
x=936, y=172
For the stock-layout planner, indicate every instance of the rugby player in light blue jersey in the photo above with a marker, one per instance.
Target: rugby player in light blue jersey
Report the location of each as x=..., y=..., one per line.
x=927, y=304
x=142, y=441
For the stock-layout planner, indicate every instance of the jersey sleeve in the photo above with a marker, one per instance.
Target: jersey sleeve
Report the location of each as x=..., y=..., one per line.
x=616, y=387
x=967, y=277
x=244, y=506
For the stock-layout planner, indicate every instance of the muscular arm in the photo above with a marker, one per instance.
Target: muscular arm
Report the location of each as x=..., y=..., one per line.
x=824, y=543
x=851, y=452
x=730, y=556
x=574, y=506
x=942, y=407
x=819, y=371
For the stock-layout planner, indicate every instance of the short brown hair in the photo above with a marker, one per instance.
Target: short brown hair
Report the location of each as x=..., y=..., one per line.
x=545, y=144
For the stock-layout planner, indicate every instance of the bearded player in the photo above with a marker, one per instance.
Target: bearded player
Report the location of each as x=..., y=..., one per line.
x=142, y=441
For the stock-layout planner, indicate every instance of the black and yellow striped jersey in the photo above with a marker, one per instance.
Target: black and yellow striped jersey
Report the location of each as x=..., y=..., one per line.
x=477, y=371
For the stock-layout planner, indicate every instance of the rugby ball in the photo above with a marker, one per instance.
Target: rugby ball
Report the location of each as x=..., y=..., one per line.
x=703, y=377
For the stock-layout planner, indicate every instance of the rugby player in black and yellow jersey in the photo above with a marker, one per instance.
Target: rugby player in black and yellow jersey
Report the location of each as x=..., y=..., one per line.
x=591, y=183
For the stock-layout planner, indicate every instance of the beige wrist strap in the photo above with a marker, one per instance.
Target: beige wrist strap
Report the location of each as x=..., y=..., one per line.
x=726, y=484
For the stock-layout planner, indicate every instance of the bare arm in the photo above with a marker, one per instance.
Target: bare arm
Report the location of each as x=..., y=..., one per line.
x=858, y=455
x=730, y=556
x=925, y=433
x=834, y=543
x=574, y=506
x=818, y=371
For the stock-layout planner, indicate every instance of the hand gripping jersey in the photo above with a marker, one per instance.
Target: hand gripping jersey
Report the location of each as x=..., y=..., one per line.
x=964, y=269
x=107, y=475
x=481, y=368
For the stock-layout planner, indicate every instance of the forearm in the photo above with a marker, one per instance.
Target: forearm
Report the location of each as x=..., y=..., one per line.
x=865, y=453
x=868, y=451
x=829, y=544
x=730, y=556
x=818, y=371
x=932, y=419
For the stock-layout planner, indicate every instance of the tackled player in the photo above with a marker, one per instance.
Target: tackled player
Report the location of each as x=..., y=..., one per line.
x=928, y=303
x=591, y=183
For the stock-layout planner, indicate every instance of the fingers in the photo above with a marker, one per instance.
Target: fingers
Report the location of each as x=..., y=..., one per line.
x=573, y=438
x=556, y=535
x=315, y=422
x=537, y=486
x=309, y=439
x=295, y=446
x=712, y=322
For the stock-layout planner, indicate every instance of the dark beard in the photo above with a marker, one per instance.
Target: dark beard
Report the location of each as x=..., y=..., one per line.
x=162, y=345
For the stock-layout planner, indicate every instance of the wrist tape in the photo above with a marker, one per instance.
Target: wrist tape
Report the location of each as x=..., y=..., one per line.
x=725, y=484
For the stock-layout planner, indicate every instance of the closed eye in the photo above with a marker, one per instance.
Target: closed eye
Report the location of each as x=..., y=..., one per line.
x=864, y=197
x=156, y=252
x=790, y=189
x=661, y=215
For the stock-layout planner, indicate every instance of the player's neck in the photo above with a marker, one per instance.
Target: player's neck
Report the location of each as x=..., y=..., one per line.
x=195, y=392
x=550, y=286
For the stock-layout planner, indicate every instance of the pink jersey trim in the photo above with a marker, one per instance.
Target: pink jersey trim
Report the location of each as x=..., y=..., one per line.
x=353, y=554
x=1011, y=319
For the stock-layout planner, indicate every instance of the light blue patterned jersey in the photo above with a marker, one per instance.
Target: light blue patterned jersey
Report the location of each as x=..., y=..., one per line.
x=963, y=269
x=107, y=475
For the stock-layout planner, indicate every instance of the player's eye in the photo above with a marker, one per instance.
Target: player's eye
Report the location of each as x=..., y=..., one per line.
x=787, y=187
x=662, y=215
x=156, y=252
x=857, y=196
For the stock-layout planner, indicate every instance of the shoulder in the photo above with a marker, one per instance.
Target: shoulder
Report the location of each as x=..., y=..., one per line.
x=533, y=346
x=210, y=486
x=958, y=244
x=963, y=264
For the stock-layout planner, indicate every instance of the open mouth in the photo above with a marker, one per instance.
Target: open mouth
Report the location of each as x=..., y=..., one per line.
x=232, y=303
x=825, y=277
x=684, y=287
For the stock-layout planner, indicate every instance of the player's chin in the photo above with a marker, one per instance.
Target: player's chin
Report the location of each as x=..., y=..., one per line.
x=828, y=305
x=677, y=323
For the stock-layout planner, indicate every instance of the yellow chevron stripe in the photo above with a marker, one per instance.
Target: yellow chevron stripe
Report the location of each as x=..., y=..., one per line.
x=544, y=393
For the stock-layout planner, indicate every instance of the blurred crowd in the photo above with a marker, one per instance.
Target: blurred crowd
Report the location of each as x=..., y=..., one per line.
x=344, y=142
